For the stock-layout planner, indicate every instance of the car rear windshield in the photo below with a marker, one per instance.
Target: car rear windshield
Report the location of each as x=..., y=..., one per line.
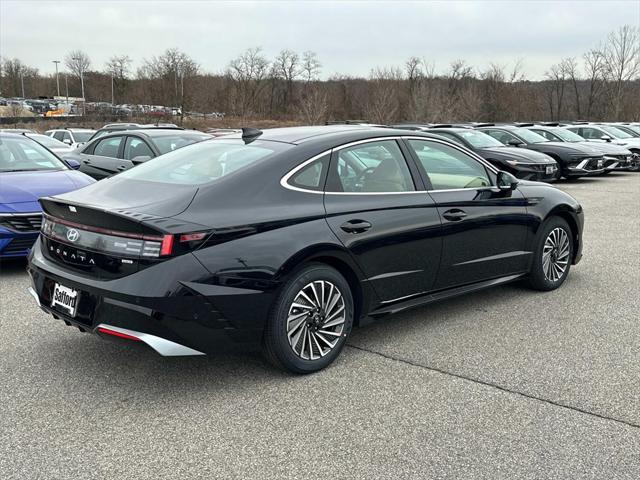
x=81, y=137
x=204, y=162
x=26, y=155
x=47, y=141
x=169, y=143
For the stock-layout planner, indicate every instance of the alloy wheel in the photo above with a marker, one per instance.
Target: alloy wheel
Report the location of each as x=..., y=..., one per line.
x=316, y=320
x=555, y=254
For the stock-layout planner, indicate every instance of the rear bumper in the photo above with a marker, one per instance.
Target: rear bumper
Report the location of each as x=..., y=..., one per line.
x=196, y=316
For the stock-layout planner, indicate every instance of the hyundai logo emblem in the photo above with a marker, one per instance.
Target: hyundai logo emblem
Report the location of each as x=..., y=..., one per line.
x=73, y=235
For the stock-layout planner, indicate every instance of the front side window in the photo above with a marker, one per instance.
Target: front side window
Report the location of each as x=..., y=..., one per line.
x=529, y=136
x=590, y=133
x=448, y=168
x=24, y=155
x=59, y=136
x=136, y=147
x=372, y=167
x=108, y=147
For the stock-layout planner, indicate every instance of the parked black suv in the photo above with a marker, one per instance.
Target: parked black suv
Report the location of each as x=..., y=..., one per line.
x=573, y=160
x=523, y=163
x=616, y=157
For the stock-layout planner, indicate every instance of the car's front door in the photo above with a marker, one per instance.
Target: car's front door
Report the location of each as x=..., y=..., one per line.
x=377, y=207
x=103, y=158
x=484, y=229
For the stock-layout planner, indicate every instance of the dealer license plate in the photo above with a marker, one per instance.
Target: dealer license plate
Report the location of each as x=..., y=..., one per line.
x=66, y=298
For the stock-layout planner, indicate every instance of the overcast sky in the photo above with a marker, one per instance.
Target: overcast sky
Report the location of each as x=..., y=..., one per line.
x=350, y=37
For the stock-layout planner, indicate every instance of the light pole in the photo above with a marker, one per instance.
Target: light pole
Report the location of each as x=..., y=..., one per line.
x=112, y=89
x=57, y=79
x=79, y=60
x=22, y=82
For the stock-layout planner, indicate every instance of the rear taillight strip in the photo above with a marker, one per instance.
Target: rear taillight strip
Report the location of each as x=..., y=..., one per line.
x=106, y=231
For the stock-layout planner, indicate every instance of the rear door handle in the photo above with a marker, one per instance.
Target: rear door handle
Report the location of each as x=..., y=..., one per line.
x=454, y=215
x=355, y=226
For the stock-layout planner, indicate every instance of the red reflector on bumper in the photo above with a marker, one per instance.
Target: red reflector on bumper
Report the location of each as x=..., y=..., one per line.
x=117, y=334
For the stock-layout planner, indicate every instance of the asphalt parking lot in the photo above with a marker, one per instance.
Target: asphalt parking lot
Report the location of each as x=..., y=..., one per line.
x=506, y=383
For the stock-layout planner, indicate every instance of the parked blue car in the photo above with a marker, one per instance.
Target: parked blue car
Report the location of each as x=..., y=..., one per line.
x=29, y=171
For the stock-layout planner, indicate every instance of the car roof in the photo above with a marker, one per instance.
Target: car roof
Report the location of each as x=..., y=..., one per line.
x=450, y=129
x=154, y=132
x=326, y=134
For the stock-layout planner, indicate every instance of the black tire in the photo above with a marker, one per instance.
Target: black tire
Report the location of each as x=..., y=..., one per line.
x=538, y=279
x=276, y=346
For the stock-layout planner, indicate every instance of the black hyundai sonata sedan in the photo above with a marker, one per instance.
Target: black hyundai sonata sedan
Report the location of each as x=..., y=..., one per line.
x=287, y=238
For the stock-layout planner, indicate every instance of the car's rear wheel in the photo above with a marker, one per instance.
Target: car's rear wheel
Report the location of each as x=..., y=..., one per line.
x=310, y=320
x=552, y=258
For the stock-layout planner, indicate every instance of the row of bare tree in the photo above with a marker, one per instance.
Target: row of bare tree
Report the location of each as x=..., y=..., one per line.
x=602, y=85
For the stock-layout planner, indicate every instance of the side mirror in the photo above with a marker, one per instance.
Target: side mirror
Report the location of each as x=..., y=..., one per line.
x=73, y=163
x=67, y=141
x=606, y=138
x=140, y=159
x=514, y=142
x=506, y=181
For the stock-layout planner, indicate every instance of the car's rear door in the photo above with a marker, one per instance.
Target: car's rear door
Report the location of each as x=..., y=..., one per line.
x=377, y=207
x=103, y=158
x=484, y=229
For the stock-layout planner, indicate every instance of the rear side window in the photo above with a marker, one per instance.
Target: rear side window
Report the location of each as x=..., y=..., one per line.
x=373, y=167
x=449, y=168
x=108, y=147
x=59, y=135
x=312, y=176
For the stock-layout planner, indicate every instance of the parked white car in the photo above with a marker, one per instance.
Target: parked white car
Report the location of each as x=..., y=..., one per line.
x=73, y=137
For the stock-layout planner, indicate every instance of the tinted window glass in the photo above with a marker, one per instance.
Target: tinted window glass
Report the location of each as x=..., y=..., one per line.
x=108, y=147
x=17, y=154
x=547, y=135
x=173, y=142
x=502, y=136
x=81, y=137
x=59, y=135
x=451, y=137
x=136, y=147
x=449, y=168
x=310, y=177
x=373, y=167
x=204, y=162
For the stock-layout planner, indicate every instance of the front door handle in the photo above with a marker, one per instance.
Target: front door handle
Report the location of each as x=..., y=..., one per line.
x=87, y=162
x=454, y=215
x=355, y=226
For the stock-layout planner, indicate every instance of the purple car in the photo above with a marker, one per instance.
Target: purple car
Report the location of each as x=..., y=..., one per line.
x=29, y=171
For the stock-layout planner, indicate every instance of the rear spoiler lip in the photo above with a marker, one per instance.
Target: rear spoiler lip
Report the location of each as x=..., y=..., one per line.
x=147, y=220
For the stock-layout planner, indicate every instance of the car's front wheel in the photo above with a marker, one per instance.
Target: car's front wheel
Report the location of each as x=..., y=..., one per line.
x=552, y=258
x=310, y=321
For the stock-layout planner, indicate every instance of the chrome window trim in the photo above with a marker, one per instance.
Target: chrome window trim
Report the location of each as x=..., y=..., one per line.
x=284, y=181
